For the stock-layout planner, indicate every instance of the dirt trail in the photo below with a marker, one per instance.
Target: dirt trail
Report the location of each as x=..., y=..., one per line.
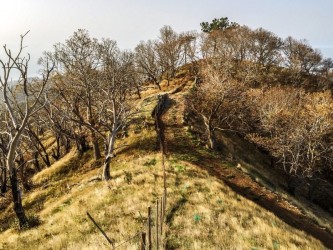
x=177, y=141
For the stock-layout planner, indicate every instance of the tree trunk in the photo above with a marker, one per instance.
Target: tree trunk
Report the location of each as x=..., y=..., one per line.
x=66, y=142
x=106, y=169
x=138, y=91
x=292, y=184
x=10, y=164
x=21, y=165
x=17, y=199
x=16, y=192
x=110, y=154
x=97, y=152
x=211, y=139
x=81, y=145
x=36, y=162
x=312, y=185
x=4, y=180
x=46, y=159
x=210, y=133
x=56, y=152
x=26, y=186
x=43, y=152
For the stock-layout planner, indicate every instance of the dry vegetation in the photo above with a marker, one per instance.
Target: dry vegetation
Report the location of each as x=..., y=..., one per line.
x=231, y=85
x=202, y=212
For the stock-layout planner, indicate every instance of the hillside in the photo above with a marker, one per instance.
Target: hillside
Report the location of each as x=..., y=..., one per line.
x=211, y=204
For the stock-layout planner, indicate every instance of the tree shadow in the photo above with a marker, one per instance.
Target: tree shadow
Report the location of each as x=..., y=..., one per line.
x=184, y=146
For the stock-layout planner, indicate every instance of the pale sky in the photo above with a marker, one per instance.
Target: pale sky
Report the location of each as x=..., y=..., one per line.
x=129, y=21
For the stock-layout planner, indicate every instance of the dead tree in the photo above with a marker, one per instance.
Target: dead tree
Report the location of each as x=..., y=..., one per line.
x=21, y=102
x=115, y=89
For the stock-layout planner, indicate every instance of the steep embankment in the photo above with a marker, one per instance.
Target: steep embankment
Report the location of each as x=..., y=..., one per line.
x=202, y=211
x=309, y=219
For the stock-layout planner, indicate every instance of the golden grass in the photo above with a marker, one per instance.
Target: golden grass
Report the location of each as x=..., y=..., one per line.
x=212, y=216
x=57, y=169
x=202, y=212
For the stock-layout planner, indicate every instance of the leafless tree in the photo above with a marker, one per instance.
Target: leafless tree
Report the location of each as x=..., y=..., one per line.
x=169, y=49
x=218, y=102
x=326, y=66
x=116, y=90
x=265, y=49
x=300, y=56
x=21, y=102
x=295, y=128
x=147, y=61
x=78, y=63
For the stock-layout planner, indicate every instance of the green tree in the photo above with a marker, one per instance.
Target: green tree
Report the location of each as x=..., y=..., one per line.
x=217, y=24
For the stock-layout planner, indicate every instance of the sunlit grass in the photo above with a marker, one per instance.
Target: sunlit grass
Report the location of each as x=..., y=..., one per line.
x=202, y=212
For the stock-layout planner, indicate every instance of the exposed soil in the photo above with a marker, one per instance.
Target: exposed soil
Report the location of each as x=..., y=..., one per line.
x=178, y=142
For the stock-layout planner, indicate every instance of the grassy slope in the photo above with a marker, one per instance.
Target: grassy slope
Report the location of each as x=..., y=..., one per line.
x=202, y=212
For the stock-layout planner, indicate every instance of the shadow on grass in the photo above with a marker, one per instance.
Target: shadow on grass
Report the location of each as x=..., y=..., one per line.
x=174, y=209
x=141, y=144
x=184, y=147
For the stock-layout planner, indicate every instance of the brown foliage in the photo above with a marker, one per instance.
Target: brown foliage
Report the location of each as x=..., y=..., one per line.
x=295, y=127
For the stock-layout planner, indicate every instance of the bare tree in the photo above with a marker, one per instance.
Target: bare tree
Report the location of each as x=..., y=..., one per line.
x=169, y=49
x=188, y=41
x=218, y=102
x=116, y=90
x=230, y=50
x=147, y=61
x=78, y=63
x=265, y=49
x=295, y=128
x=300, y=56
x=326, y=67
x=3, y=152
x=21, y=103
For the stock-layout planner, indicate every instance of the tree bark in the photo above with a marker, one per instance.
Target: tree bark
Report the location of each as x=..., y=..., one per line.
x=24, y=180
x=211, y=139
x=138, y=91
x=66, y=142
x=106, y=169
x=17, y=199
x=97, y=152
x=56, y=152
x=81, y=145
x=210, y=133
x=109, y=155
x=4, y=180
x=36, y=162
x=159, y=86
x=10, y=164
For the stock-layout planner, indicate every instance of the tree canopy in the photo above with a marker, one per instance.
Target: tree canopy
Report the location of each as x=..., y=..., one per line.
x=217, y=24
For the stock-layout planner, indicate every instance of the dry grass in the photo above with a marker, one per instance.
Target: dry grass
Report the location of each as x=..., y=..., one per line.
x=202, y=212
x=212, y=216
x=58, y=169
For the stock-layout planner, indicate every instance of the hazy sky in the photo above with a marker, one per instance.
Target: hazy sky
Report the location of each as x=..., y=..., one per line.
x=129, y=21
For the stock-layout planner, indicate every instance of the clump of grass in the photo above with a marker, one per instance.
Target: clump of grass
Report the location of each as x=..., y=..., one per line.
x=62, y=206
x=150, y=163
x=179, y=168
x=186, y=157
x=128, y=177
x=197, y=218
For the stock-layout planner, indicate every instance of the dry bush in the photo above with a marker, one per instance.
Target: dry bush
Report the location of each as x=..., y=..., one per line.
x=295, y=128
